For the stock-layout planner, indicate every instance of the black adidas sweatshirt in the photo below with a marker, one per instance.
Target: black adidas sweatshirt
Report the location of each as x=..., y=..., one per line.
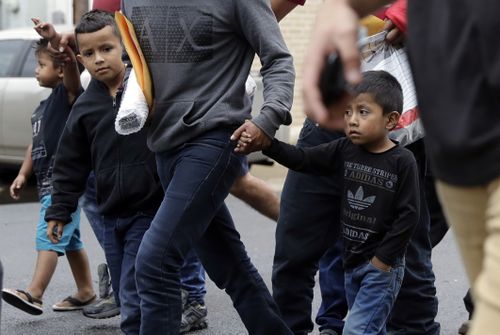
x=125, y=169
x=380, y=200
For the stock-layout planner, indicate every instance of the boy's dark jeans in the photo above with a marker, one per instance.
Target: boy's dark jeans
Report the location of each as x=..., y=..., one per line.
x=122, y=237
x=307, y=228
x=196, y=179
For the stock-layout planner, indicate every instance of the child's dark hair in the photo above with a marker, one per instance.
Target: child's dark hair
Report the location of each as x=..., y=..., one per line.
x=95, y=20
x=384, y=88
x=41, y=46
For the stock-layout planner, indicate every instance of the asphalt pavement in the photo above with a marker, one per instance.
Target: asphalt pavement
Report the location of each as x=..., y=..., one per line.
x=18, y=221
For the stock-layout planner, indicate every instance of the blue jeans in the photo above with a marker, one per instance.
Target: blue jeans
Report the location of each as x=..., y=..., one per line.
x=371, y=293
x=196, y=178
x=122, y=237
x=192, y=273
x=193, y=278
x=308, y=227
x=88, y=203
x=333, y=306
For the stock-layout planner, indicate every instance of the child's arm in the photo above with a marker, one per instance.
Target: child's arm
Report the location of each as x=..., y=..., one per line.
x=322, y=159
x=23, y=175
x=72, y=166
x=71, y=78
x=407, y=209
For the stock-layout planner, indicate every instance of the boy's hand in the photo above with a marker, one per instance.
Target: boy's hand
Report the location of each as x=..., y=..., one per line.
x=16, y=186
x=253, y=140
x=46, y=30
x=380, y=265
x=55, y=231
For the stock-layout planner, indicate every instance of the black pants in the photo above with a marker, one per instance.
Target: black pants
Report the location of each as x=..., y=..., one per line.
x=308, y=227
x=1, y=281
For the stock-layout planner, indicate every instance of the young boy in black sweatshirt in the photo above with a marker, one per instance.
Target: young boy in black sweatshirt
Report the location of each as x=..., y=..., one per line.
x=380, y=202
x=127, y=187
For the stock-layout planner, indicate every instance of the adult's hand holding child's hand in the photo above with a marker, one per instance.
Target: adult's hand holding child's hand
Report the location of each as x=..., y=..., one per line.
x=250, y=138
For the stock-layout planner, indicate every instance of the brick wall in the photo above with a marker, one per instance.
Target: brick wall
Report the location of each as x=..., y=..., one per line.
x=296, y=28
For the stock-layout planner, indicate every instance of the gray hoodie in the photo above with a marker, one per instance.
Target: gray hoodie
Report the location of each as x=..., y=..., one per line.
x=200, y=53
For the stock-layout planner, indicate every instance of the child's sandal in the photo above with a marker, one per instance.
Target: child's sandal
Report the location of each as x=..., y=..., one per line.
x=27, y=303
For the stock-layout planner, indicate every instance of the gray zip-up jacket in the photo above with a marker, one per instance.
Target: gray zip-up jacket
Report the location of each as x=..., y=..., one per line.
x=200, y=53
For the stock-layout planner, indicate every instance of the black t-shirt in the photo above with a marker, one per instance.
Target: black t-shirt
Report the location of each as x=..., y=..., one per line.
x=48, y=122
x=380, y=200
x=455, y=58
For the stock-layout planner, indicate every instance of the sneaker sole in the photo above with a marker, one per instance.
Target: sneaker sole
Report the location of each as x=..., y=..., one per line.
x=105, y=315
x=201, y=324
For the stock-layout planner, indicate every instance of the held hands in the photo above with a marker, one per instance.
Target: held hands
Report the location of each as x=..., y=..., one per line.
x=45, y=30
x=17, y=186
x=54, y=231
x=250, y=138
x=60, y=45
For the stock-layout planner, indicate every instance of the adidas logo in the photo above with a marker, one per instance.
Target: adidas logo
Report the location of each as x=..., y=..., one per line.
x=358, y=200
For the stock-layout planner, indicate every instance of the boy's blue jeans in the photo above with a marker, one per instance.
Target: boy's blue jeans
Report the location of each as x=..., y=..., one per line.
x=370, y=293
x=196, y=178
x=122, y=237
x=192, y=273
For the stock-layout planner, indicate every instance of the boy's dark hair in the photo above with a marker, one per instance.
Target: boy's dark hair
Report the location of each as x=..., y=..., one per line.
x=41, y=46
x=384, y=88
x=95, y=20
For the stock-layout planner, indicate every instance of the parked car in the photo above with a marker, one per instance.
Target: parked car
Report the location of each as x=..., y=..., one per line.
x=20, y=94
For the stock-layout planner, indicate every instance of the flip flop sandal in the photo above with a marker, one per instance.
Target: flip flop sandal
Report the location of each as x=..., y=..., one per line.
x=73, y=304
x=31, y=306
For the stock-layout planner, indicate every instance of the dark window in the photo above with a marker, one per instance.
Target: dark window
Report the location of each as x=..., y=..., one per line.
x=30, y=64
x=9, y=53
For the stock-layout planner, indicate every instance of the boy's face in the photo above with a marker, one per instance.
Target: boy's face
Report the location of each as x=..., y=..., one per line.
x=45, y=72
x=366, y=124
x=101, y=54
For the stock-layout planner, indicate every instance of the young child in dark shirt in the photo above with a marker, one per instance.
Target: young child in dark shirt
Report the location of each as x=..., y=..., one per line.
x=380, y=202
x=48, y=122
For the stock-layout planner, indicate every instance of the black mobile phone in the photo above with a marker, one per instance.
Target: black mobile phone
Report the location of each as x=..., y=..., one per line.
x=332, y=82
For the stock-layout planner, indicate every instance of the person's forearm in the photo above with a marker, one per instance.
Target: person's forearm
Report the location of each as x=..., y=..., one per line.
x=27, y=166
x=71, y=80
x=281, y=8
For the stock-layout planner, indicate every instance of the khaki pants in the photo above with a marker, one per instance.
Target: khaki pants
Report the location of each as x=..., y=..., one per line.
x=474, y=215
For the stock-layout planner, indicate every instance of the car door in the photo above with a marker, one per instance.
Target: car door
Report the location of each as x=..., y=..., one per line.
x=21, y=95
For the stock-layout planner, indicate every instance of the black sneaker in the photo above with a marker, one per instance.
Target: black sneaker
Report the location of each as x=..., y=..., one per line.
x=194, y=317
x=102, y=308
x=104, y=280
x=328, y=331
